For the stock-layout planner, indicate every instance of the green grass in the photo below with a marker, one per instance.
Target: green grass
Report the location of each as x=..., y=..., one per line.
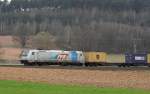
x=15, y=87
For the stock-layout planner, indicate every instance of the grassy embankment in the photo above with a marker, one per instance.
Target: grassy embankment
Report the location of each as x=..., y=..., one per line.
x=15, y=87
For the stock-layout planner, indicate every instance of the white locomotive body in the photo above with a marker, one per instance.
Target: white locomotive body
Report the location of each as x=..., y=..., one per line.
x=31, y=57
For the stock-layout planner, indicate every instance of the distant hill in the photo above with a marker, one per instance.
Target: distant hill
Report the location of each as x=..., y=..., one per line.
x=97, y=25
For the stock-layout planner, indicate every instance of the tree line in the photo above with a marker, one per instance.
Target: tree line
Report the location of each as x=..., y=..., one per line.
x=117, y=5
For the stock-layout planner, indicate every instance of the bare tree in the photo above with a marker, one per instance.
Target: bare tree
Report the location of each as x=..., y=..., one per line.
x=21, y=34
x=44, y=40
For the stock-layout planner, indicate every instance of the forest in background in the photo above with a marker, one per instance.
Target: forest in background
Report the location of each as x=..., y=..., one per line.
x=116, y=26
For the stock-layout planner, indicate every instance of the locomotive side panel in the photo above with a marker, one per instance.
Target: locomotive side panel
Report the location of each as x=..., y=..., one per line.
x=48, y=56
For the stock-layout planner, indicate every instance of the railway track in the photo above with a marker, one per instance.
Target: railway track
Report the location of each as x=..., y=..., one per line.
x=101, y=68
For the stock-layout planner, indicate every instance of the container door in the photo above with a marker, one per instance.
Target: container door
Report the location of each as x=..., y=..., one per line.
x=74, y=56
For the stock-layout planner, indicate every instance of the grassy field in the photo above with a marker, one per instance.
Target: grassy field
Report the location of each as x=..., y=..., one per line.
x=15, y=87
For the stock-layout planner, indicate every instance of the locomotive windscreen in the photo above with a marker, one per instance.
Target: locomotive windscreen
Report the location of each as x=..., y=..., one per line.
x=24, y=52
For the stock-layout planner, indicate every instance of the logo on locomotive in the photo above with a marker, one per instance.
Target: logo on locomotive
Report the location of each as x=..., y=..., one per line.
x=62, y=57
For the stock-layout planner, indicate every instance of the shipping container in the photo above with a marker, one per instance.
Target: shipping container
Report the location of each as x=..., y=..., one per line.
x=148, y=58
x=136, y=58
x=115, y=58
x=95, y=57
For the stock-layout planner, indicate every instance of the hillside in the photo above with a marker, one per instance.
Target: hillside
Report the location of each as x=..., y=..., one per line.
x=114, y=26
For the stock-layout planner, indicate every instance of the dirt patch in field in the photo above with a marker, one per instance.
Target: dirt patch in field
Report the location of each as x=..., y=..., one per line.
x=7, y=41
x=129, y=79
x=10, y=53
x=7, y=48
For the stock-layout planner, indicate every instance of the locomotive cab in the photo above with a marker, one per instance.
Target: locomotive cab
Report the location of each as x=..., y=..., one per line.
x=27, y=56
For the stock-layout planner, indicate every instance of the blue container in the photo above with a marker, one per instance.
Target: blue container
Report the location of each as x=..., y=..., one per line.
x=138, y=58
x=74, y=56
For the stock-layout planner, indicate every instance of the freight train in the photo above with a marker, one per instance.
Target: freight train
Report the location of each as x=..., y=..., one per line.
x=61, y=57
